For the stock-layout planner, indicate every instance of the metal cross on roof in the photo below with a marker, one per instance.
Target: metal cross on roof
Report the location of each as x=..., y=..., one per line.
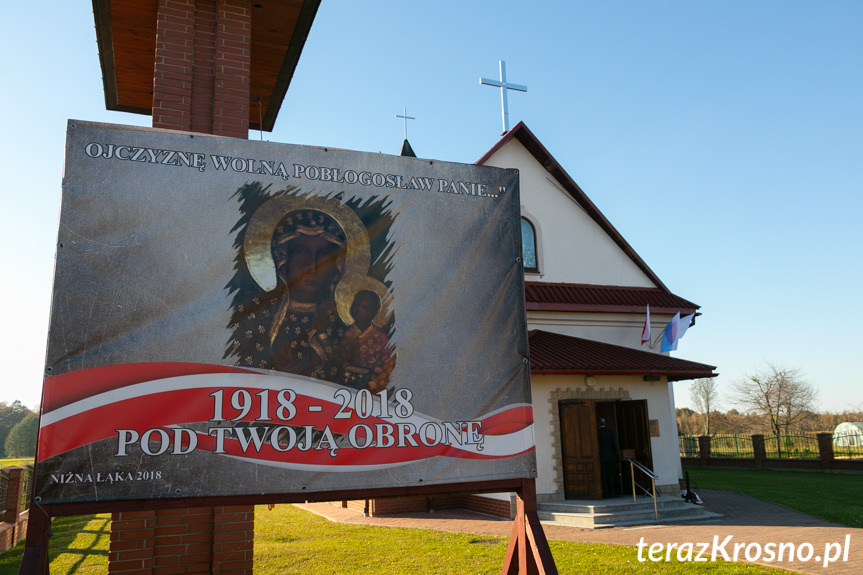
x=404, y=115
x=504, y=86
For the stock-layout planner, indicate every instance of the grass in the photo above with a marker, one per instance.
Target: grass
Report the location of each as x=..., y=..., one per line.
x=290, y=540
x=79, y=546
x=293, y=541
x=831, y=496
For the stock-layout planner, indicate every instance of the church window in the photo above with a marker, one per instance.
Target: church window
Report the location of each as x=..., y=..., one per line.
x=528, y=246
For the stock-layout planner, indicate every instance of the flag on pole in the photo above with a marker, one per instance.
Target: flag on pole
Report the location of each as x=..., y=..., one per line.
x=645, y=333
x=674, y=331
x=685, y=322
x=669, y=334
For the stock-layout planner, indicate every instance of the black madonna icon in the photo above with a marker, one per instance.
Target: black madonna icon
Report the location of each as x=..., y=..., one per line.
x=309, y=305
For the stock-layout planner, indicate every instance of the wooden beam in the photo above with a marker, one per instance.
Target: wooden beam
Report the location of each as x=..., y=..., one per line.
x=35, y=558
x=528, y=552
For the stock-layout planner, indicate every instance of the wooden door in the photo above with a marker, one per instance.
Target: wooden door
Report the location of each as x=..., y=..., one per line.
x=581, y=472
x=633, y=436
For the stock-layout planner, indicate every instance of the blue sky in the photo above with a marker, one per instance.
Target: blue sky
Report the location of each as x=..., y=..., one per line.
x=724, y=140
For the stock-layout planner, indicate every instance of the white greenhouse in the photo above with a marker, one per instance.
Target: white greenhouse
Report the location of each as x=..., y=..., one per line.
x=848, y=434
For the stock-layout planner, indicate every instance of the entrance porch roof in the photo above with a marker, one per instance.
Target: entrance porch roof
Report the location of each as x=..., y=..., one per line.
x=554, y=353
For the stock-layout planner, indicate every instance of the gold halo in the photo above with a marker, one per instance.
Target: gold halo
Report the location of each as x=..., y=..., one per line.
x=347, y=289
x=259, y=257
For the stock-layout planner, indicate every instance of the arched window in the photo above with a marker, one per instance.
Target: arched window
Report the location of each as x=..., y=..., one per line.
x=528, y=246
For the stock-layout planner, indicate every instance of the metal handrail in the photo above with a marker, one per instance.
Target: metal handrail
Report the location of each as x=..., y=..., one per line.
x=633, y=465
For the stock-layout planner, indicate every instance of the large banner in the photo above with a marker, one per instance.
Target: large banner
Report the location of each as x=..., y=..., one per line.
x=234, y=317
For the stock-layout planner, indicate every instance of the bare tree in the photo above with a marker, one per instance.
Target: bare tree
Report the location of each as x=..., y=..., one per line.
x=686, y=421
x=782, y=396
x=705, y=397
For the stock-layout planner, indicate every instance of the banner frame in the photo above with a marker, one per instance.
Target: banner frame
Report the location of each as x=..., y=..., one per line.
x=527, y=551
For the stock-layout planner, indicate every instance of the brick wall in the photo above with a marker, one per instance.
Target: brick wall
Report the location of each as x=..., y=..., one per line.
x=203, y=67
x=182, y=541
x=233, y=539
x=419, y=504
x=201, y=79
x=488, y=506
x=16, y=493
x=396, y=505
x=13, y=532
x=233, y=69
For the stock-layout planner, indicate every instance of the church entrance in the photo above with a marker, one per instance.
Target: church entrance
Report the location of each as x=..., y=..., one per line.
x=579, y=421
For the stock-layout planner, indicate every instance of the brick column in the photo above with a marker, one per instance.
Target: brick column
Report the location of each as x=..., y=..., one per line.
x=825, y=449
x=182, y=541
x=233, y=539
x=131, y=547
x=201, y=83
x=203, y=66
x=232, y=82
x=172, y=73
x=14, y=488
x=704, y=449
x=201, y=79
x=759, y=450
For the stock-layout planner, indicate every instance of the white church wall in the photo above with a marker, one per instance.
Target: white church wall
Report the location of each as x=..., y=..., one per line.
x=548, y=390
x=664, y=448
x=574, y=248
x=615, y=328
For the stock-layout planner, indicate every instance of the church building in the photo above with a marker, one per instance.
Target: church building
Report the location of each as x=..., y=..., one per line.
x=587, y=292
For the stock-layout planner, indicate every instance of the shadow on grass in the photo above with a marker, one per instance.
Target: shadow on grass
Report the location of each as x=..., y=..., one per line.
x=78, y=545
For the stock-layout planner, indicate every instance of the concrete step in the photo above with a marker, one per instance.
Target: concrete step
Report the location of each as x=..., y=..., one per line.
x=620, y=511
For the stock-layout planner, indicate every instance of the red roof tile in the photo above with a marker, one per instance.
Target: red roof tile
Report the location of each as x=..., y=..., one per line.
x=554, y=353
x=541, y=296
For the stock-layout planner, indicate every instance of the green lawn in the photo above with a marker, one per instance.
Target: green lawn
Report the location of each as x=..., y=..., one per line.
x=78, y=545
x=832, y=496
x=290, y=540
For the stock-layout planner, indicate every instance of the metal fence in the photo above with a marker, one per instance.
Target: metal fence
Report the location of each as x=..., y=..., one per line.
x=688, y=446
x=798, y=445
x=15, y=481
x=4, y=491
x=26, y=487
x=731, y=445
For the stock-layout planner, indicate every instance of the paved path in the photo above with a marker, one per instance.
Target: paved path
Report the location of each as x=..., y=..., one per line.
x=748, y=521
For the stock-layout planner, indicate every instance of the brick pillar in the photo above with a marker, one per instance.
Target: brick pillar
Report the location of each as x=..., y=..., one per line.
x=825, y=449
x=201, y=83
x=131, y=548
x=201, y=79
x=233, y=539
x=172, y=73
x=704, y=449
x=759, y=450
x=14, y=487
x=232, y=87
x=203, y=67
x=182, y=541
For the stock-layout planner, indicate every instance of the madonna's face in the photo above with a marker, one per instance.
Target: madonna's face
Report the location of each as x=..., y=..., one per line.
x=310, y=268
